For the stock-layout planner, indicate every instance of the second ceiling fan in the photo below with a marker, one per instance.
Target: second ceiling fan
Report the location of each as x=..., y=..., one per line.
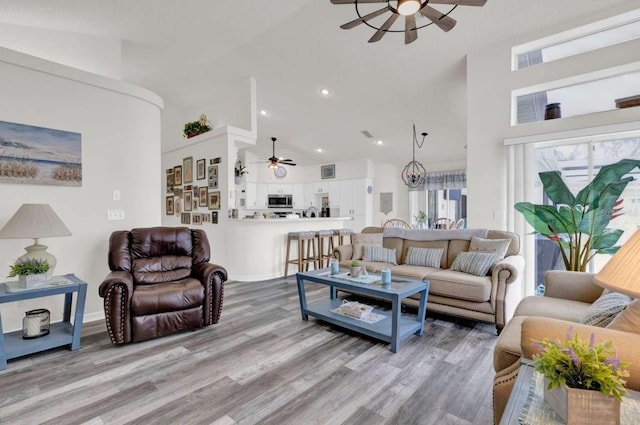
x=410, y=9
x=274, y=161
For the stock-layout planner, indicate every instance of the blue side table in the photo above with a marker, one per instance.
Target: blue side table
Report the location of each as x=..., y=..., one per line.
x=12, y=344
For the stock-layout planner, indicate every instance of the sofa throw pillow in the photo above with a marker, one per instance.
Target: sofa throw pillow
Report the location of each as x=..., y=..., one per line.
x=359, y=240
x=499, y=247
x=476, y=263
x=426, y=257
x=629, y=319
x=375, y=253
x=605, y=309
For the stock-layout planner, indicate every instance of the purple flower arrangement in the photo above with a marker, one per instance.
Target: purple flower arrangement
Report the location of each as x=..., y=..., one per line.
x=581, y=364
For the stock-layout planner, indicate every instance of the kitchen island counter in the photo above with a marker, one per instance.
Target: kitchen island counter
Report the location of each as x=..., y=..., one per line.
x=260, y=245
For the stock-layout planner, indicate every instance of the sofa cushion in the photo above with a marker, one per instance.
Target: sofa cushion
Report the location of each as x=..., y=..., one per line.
x=605, y=309
x=498, y=247
x=444, y=245
x=359, y=240
x=375, y=253
x=413, y=272
x=555, y=308
x=629, y=319
x=427, y=257
x=459, y=285
x=476, y=263
x=507, y=350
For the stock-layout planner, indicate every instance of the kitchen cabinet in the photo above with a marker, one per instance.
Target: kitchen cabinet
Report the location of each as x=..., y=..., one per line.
x=309, y=195
x=280, y=189
x=262, y=190
x=321, y=187
x=250, y=195
x=356, y=202
x=334, y=194
x=298, y=195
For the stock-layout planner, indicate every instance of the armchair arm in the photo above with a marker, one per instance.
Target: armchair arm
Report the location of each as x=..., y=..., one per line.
x=117, y=290
x=576, y=286
x=212, y=277
x=627, y=344
x=343, y=252
x=506, y=292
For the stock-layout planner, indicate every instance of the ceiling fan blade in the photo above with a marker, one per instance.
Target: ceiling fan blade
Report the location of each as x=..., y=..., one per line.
x=459, y=2
x=358, y=21
x=287, y=163
x=410, y=33
x=383, y=29
x=359, y=1
x=445, y=23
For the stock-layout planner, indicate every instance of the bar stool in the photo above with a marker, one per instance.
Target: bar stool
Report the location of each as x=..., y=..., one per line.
x=304, y=259
x=324, y=240
x=341, y=234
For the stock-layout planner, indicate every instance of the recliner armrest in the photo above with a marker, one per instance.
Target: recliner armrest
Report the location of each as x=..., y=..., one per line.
x=116, y=277
x=117, y=290
x=201, y=271
x=212, y=277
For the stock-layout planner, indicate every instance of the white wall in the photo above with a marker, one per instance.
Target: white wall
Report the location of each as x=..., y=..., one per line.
x=97, y=54
x=490, y=82
x=120, y=128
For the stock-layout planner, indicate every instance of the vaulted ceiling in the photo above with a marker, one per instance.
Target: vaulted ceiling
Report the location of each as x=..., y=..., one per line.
x=295, y=47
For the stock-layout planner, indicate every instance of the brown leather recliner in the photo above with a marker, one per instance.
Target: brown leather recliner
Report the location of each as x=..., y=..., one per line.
x=160, y=283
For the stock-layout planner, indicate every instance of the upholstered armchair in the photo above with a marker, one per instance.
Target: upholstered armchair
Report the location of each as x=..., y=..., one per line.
x=160, y=283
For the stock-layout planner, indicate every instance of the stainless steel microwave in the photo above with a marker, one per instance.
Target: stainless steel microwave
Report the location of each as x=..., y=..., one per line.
x=280, y=201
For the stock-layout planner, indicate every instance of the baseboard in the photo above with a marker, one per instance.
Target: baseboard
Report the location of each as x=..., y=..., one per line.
x=92, y=317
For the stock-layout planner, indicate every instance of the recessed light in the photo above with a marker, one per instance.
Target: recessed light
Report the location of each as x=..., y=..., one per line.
x=319, y=150
x=263, y=112
x=379, y=142
x=325, y=92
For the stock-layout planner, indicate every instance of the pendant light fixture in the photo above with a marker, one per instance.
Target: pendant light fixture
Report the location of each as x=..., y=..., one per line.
x=413, y=174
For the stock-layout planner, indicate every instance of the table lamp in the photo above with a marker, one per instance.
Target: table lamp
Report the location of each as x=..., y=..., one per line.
x=622, y=274
x=35, y=221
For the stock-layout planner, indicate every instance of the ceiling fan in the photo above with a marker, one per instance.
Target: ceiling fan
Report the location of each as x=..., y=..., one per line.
x=412, y=10
x=274, y=161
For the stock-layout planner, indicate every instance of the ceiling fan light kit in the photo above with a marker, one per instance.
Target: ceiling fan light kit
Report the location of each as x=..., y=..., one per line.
x=414, y=11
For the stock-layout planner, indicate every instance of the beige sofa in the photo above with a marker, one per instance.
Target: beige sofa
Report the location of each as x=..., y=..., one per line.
x=567, y=297
x=491, y=298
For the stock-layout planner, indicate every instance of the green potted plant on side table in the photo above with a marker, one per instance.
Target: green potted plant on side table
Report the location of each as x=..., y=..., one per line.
x=31, y=272
x=583, y=380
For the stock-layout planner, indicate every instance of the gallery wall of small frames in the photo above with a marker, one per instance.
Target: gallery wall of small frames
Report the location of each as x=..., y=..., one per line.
x=195, y=201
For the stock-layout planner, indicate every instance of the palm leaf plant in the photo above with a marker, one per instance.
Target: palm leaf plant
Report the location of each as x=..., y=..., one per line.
x=579, y=223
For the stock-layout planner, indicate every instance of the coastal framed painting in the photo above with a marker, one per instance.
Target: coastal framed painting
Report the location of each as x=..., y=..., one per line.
x=39, y=155
x=328, y=171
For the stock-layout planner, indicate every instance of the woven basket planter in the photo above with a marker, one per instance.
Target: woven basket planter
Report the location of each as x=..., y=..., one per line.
x=578, y=407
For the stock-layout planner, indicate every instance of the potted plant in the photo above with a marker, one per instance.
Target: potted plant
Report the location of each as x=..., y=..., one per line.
x=194, y=128
x=578, y=224
x=240, y=170
x=422, y=219
x=356, y=268
x=576, y=370
x=31, y=272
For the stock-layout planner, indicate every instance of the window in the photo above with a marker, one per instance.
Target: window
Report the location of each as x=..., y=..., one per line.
x=578, y=163
x=587, y=38
x=443, y=196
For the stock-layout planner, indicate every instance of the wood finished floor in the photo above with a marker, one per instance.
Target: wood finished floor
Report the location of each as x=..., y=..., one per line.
x=260, y=365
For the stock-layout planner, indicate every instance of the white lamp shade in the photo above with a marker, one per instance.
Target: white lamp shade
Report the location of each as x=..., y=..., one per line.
x=34, y=221
x=622, y=272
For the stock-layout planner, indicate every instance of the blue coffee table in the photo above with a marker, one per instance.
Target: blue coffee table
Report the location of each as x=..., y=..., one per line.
x=390, y=329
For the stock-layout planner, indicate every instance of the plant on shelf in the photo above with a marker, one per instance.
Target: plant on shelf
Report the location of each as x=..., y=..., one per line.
x=194, y=128
x=355, y=263
x=29, y=266
x=240, y=169
x=578, y=224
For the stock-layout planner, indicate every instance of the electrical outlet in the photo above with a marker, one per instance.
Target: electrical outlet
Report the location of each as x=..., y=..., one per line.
x=116, y=195
x=115, y=214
